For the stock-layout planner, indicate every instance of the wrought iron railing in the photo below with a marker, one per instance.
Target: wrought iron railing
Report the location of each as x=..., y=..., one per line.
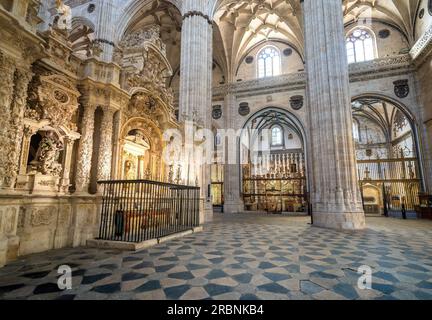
x=139, y=210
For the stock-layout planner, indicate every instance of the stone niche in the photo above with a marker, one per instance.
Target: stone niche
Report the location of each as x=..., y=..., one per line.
x=50, y=133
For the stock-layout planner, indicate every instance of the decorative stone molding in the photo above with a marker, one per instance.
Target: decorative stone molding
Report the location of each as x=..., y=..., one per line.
x=8, y=220
x=378, y=68
x=144, y=38
x=258, y=85
x=145, y=65
x=42, y=216
x=53, y=98
x=198, y=14
x=423, y=47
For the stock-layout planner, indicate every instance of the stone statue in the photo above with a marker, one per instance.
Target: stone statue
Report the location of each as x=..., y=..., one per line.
x=47, y=156
x=63, y=18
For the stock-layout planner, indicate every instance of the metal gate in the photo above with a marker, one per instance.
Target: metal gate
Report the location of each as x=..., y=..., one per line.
x=389, y=184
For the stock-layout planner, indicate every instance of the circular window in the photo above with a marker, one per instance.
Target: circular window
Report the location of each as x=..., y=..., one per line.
x=385, y=33
x=249, y=59
x=287, y=52
x=421, y=14
x=91, y=8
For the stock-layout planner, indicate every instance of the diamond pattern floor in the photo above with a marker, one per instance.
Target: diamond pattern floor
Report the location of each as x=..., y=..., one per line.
x=247, y=257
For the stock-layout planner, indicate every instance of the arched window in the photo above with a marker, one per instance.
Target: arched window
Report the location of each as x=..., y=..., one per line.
x=360, y=46
x=269, y=62
x=277, y=136
x=356, y=131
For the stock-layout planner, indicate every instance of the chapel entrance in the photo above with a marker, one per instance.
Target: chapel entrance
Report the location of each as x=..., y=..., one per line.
x=273, y=163
x=387, y=156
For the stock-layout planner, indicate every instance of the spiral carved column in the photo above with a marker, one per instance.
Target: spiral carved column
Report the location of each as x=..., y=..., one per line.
x=85, y=149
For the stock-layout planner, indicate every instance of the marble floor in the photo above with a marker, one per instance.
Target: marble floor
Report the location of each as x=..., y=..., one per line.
x=248, y=256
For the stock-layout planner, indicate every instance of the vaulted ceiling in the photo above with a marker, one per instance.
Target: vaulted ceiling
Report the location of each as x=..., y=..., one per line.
x=245, y=23
x=242, y=24
x=399, y=13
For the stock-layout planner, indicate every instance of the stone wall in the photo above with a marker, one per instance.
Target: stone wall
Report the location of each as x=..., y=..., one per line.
x=31, y=224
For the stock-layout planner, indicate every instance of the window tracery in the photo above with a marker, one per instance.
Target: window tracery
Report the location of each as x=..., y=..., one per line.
x=269, y=62
x=277, y=136
x=360, y=46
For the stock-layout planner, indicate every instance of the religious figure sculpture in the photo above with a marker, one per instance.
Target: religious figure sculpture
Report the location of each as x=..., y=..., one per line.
x=63, y=18
x=47, y=156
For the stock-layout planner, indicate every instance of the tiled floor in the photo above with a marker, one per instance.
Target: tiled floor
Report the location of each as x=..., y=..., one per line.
x=242, y=257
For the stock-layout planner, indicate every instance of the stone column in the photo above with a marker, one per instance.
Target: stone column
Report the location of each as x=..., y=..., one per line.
x=85, y=150
x=28, y=133
x=335, y=192
x=117, y=147
x=105, y=145
x=66, y=163
x=195, y=83
x=18, y=106
x=7, y=70
x=232, y=185
x=105, y=29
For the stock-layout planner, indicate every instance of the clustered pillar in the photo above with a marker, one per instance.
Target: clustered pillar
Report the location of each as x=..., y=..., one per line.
x=196, y=82
x=232, y=199
x=335, y=193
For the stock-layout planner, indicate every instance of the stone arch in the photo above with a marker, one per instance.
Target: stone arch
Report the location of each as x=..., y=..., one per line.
x=413, y=122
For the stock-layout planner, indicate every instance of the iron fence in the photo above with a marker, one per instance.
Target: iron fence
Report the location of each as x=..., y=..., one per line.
x=139, y=210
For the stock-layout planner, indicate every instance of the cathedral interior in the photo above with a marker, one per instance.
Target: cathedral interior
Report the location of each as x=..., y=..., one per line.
x=327, y=105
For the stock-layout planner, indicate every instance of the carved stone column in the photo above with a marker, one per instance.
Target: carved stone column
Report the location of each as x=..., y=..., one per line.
x=195, y=83
x=7, y=70
x=106, y=145
x=66, y=164
x=28, y=132
x=85, y=149
x=336, y=197
x=22, y=80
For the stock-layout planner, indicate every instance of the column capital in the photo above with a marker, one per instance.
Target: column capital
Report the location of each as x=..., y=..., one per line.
x=195, y=13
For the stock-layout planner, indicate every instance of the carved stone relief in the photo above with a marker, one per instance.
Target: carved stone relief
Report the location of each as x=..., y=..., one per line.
x=401, y=88
x=53, y=98
x=42, y=216
x=296, y=102
x=47, y=157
